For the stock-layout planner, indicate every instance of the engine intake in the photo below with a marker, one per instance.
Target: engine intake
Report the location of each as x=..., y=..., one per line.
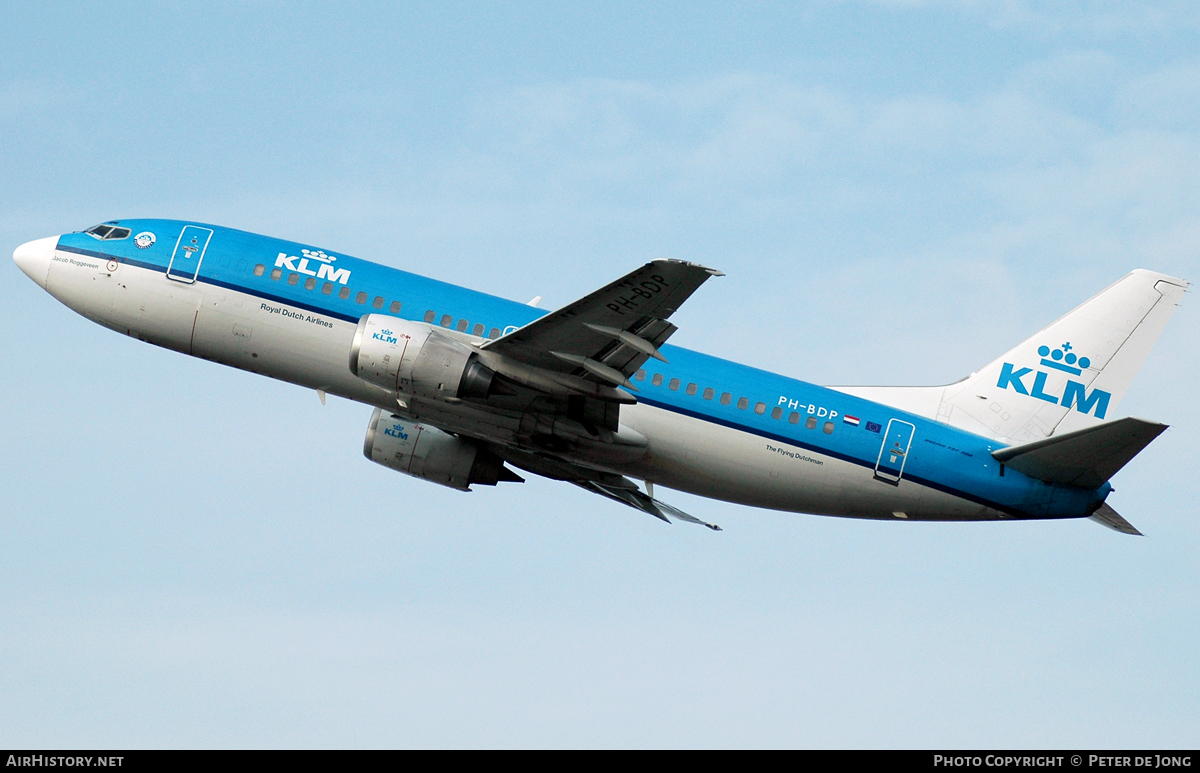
x=430, y=454
x=415, y=358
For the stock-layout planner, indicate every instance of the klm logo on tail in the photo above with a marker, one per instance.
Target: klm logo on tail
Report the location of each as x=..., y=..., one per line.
x=1075, y=393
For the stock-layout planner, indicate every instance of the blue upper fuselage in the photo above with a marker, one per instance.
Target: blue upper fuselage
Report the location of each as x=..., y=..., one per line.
x=342, y=287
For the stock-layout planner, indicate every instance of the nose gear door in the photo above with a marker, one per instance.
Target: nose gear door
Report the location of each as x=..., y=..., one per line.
x=189, y=253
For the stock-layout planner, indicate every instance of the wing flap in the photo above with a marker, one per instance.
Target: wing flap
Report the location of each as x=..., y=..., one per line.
x=1086, y=457
x=629, y=494
x=615, y=487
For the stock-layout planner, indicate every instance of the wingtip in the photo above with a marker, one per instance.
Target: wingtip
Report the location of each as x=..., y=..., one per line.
x=701, y=266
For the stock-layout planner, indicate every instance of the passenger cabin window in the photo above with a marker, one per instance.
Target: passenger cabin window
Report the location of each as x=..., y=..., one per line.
x=293, y=278
x=776, y=412
x=446, y=320
x=310, y=283
x=760, y=408
x=344, y=293
x=691, y=389
x=429, y=316
x=726, y=398
x=639, y=376
x=276, y=273
x=828, y=428
x=742, y=403
x=360, y=298
x=494, y=333
x=708, y=393
x=378, y=302
x=811, y=423
x=327, y=288
x=793, y=418
x=462, y=325
x=108, y=232
x=657, y=380
x=477, y=330
x=395, y=307
x=674, y=385
x=260, y=269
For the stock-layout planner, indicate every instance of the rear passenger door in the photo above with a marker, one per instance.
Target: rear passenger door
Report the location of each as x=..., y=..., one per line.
x=893, y=454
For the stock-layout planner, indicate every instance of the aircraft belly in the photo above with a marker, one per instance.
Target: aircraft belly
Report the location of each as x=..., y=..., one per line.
x=716, y=461
x=282, y=342
x=148, y=306
x=225, y=326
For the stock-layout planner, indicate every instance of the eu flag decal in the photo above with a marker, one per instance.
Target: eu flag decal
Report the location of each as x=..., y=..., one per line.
x=873, y=427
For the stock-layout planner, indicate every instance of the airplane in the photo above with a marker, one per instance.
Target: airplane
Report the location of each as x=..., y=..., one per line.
x=467, y=386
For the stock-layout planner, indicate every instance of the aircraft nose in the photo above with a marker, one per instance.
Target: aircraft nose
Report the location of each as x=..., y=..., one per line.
x=34, y=258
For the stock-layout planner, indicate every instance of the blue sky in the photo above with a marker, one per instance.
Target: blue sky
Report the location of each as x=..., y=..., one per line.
x=897, y=192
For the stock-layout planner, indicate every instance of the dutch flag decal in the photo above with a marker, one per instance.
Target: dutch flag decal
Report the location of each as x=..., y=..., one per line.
x=851, y=420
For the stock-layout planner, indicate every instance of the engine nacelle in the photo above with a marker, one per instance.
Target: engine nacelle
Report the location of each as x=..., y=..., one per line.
x=416, y=358
x=430, y=454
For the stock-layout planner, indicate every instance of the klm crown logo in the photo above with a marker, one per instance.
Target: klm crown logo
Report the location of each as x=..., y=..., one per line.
x=1075, y=393
x=1064, y=359
x=318, y=255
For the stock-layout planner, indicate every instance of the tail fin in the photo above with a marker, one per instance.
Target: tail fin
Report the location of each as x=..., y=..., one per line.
x=1071, y=375
x=1086, y=457
x=1078, y=367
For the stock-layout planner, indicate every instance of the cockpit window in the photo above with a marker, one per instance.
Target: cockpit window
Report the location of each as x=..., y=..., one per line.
x=108, y=232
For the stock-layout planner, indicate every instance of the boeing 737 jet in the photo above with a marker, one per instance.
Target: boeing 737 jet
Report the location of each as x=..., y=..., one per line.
x=467, y=386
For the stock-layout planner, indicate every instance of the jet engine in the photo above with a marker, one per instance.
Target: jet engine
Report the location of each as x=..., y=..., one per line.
x=430, y=454
x=415, y=358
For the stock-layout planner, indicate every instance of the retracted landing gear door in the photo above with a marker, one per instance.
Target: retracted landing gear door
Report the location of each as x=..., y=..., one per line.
x=189, y=252
x=894, y=451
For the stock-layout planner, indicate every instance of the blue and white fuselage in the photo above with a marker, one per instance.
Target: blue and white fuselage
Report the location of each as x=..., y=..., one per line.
x=700, y=424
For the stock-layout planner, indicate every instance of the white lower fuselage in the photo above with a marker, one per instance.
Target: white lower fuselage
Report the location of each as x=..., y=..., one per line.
x=690, y=454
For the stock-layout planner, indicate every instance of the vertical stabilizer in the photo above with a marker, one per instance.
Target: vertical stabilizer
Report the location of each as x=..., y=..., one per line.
x=1069, y=376
x=1074, y=372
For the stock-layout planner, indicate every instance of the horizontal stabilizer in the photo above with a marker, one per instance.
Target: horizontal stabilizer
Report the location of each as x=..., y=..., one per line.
x=1109, y=517
x=1086, y=457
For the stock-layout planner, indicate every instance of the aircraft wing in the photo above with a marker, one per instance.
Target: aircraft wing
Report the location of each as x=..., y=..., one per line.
x=615, y=487
x=607, y=335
